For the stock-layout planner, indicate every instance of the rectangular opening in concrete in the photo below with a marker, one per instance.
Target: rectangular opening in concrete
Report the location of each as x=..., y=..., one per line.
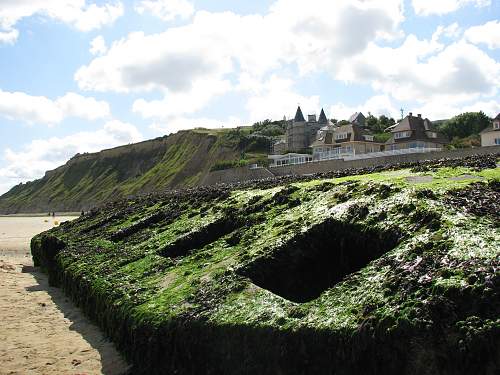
x=202, y=237
x=314, y=261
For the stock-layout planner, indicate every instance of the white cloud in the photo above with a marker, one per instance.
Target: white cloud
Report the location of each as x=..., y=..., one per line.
x=9, y=37
x=377, y=105
x=440, y=7
x=42, y=155
x=194, y=63
x=77, y=13
x=446, y=110
x=166, y=10
x=426, y=71
x=74, y=105
x=488, y=34
x=276, y=98
x=176, y=104
x=98, y=46
x=19, y=106
x=313, y=35
x=173, y=60
x=450, y=31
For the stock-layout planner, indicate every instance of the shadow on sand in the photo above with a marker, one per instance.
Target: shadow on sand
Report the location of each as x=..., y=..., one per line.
x=111, y=364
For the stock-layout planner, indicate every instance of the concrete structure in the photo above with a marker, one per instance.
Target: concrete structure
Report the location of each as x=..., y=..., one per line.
x=491, y=135
x=415, y=132
x=341, y=141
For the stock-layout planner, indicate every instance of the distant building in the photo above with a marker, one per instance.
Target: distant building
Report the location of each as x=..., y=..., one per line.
x=358, y=119
x=289, y=159
x=491, y=135
x=349, y=139
x=301, y=133
x=279, y=147
x=415, y=132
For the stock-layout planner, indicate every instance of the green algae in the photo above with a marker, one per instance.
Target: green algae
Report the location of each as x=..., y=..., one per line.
x=440, y=251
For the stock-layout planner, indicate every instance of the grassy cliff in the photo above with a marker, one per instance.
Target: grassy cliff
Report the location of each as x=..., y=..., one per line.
x=378, y=271
x=179, y=160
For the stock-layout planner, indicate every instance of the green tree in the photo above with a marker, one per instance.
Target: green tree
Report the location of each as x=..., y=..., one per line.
x=465, y=124
x=372, y=123
x=384, y=122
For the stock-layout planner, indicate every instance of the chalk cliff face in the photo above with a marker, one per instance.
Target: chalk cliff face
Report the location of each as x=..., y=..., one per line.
x=181, y=159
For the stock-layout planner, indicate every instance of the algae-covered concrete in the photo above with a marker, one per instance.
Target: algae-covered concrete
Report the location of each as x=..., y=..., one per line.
x=346, y=273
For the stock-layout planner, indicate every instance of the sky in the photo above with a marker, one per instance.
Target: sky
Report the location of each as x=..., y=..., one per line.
x=81, y=75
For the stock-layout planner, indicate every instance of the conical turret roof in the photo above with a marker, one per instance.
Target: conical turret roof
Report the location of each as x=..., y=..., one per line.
x=322, y=117
x=299, y=117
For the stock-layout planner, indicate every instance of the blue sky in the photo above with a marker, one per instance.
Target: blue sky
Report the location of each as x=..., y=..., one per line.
x=80, y=76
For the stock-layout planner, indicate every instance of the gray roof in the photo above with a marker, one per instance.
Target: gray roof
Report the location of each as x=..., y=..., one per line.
x=322, y=117
x=299, y=117
x=358, y=118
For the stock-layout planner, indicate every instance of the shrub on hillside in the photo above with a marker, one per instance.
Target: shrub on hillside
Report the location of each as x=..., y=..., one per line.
x=228, y=164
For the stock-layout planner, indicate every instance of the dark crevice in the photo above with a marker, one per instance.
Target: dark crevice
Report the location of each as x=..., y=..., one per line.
x=203, y=237
x=163, y=215
x=314, y=261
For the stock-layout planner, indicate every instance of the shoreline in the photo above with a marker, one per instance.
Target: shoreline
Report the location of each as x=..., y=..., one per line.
x=43, y=214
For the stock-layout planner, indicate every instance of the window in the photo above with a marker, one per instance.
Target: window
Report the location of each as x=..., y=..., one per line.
x=341, y=136
x=497, y=141
x=496, y=125
x=368, y=138
x=399, y=135
x=432, y=134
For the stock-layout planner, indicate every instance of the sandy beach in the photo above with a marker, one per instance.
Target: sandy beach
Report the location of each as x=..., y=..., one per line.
x=42, y=331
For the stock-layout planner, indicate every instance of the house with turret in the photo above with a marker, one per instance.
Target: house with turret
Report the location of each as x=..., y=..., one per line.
x=300, y=134
x=320, y=139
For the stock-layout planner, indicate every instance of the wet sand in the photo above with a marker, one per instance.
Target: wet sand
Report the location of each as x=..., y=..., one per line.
x=16, y=233
x=41, y=331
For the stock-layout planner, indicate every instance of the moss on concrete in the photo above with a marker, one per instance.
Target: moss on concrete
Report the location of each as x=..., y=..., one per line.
x=360, y=274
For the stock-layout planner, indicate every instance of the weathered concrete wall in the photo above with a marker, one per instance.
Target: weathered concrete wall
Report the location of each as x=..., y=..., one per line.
x=332, y=165
x=236, y=175
x=245, y=174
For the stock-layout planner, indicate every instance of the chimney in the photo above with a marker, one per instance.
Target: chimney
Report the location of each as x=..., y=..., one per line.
x=419, y=115
x=410, y=114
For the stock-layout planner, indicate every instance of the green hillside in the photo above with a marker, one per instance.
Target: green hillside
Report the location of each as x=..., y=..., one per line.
x=352, y=272
x=179, y=160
